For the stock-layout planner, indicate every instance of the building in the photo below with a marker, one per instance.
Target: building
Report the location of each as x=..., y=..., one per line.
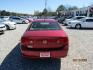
x=85, y=11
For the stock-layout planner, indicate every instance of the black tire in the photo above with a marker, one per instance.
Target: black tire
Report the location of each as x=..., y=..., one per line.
x=78, y=26
x=7, y=27
x=23, y=22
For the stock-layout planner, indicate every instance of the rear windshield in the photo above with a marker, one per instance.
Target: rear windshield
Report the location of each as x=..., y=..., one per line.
x=45, y=26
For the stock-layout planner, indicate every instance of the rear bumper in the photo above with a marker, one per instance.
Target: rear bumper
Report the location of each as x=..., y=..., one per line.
x=53, y=53
x=3, y=29
x=2, y=32
x=13, y=27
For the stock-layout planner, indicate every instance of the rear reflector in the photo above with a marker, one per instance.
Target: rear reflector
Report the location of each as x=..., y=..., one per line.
x=29, y=46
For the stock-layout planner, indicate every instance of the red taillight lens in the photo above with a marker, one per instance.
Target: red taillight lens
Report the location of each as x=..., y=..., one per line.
x=63, y=40
x=24, y=41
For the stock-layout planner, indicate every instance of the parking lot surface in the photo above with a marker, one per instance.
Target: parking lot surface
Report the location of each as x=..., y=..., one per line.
x=80, y=55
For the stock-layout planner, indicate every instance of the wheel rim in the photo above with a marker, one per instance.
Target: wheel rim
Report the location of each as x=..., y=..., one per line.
x=78, y=26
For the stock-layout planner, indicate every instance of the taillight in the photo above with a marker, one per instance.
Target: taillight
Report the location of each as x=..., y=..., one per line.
x=66, y=40
x=63, y=40
x=24, y=40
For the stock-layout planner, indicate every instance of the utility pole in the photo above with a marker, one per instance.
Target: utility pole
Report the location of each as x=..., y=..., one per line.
x=45, y=12
x=45, y=4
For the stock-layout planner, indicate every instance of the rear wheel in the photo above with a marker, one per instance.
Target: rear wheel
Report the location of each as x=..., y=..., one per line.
x=78, y=26
x=7, y=27
x=23, y=22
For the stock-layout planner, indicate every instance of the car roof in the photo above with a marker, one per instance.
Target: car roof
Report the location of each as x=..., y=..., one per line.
x=44, y=20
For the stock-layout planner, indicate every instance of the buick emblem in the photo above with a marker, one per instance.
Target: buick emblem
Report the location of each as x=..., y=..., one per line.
x=44, y=41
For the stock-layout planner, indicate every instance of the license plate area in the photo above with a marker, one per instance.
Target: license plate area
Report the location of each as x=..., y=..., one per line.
x=44, y=54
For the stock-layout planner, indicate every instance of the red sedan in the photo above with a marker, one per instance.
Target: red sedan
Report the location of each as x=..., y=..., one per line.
x=44, y=38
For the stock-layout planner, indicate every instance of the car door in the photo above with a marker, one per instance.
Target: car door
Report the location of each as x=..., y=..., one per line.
x=83, y=22
x=89, y=23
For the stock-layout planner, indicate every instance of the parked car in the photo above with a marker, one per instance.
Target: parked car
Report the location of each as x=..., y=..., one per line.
x=9, y=24
x=2, y=28
x=4, y=17
x=19, y=20
x=44, y=38
x=71, y=19
x=83, y=23
x=61, y=20
x=30, y=20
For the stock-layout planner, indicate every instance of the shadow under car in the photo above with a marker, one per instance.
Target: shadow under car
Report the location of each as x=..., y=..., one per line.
x=14, y=61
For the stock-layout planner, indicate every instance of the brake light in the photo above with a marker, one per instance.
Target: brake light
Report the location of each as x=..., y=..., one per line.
x=66, y=40
x=63, y=40
x=24, y=41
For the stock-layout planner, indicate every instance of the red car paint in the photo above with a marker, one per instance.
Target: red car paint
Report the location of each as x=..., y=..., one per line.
x=44, y=43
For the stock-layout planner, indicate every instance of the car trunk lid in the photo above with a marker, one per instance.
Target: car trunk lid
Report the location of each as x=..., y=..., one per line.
x=45, y=39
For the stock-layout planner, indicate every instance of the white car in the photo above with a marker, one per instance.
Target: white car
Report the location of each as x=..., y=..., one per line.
x=72, y=19
x=2, y=28
x=4, y=17
x=9, y=24
x=19, y=20
x=83, y=23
